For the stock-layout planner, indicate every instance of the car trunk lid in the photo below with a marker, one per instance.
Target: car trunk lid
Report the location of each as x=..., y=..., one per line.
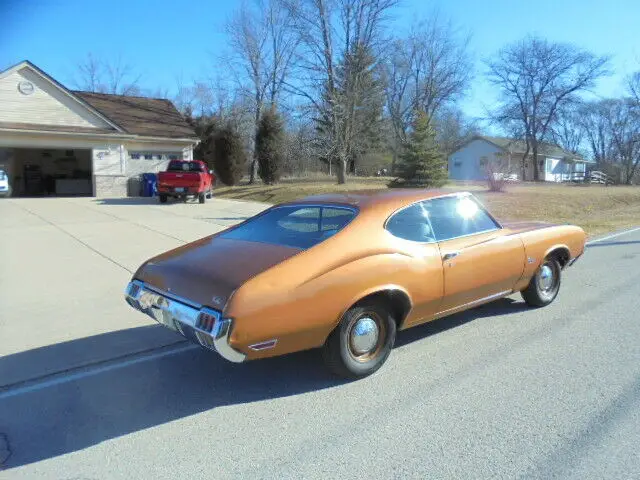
x=208, y=271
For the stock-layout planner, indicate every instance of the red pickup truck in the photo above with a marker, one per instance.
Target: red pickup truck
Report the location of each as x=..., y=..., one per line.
x=186, y=178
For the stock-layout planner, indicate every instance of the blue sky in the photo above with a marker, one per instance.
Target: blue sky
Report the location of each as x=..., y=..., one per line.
x=166, y=40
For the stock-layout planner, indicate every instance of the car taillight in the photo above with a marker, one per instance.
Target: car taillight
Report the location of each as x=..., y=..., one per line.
x=206, y=321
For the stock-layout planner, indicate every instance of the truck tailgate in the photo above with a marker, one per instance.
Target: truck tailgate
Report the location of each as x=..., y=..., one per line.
x=178, y=179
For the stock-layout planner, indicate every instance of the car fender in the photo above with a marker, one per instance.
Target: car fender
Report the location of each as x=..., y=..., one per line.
x=372, y=291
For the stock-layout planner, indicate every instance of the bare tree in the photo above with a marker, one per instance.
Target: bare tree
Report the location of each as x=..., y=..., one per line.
x=568, y=130
x=333, y=34
x=594, y=119
x=624, y=125
x=453, y=128
x=263, y=44
x=427, y=70
x=107, y=76
x=536, y=78
x=634, y=86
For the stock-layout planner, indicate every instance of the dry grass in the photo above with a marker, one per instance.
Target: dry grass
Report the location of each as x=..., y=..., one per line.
x=595, y=208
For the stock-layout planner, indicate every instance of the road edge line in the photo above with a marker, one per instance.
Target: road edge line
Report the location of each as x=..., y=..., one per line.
x=613, y=235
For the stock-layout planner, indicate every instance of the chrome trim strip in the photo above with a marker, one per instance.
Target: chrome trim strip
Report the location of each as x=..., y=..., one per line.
x=497, y=228
x=176, y=315
x=264, y=345
x=495, y=296
x=170, y=295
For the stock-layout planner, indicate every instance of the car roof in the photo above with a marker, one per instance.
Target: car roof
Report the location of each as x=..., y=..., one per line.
x=383, y=199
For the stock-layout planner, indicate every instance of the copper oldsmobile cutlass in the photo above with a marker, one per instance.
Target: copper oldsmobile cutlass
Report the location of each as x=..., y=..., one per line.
x=345, y=272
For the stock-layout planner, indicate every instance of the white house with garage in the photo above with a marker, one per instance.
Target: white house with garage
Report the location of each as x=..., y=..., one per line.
x=469, y=161
x=56, y=141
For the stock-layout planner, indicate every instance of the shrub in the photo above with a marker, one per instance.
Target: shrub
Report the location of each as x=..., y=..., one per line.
x=270, y=147
x=229, y=155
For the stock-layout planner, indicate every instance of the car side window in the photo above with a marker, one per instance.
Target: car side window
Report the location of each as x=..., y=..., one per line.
x=411, y=223
x=453, y=217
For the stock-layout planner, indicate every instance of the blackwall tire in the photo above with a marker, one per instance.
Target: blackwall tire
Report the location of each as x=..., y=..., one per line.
x=362, y=341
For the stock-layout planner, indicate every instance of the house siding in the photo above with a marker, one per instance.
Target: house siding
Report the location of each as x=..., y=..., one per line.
x=116, y=173
x=468, y=157
x=47, y=105
x=108, y=149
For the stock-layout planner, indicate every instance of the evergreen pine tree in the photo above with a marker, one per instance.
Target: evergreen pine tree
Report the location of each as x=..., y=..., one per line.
x=422, y=162
x=270, y=147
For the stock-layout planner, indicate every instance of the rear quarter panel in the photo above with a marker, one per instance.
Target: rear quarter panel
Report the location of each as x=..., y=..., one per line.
x=301, y=300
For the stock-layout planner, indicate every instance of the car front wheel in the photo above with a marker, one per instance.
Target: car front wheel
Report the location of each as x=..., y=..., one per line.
x=362, y=341
x=545, y=284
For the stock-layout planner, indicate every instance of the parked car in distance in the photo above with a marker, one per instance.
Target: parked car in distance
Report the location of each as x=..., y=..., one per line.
x=5, y=187
x=345, y=272
x=186, y=178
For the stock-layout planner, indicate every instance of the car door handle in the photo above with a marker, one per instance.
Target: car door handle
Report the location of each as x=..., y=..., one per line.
x=449, y=256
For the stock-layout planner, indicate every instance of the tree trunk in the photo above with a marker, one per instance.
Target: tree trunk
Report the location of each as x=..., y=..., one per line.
x=253, y=169
x=524, y=163
x=342, y=170
x=536, y=172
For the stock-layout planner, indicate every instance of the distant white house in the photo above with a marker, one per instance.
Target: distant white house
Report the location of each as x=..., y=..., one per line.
x=555, y=164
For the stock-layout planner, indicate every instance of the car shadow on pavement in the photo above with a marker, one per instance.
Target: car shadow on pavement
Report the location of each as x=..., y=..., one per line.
x=78, y=411
x=128, y=201
x=82, y=410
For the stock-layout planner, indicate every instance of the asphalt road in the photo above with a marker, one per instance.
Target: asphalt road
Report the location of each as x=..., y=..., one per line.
x=502, y=391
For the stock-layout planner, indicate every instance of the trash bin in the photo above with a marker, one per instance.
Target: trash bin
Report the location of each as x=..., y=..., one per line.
x=134, y=186
x=149, y=185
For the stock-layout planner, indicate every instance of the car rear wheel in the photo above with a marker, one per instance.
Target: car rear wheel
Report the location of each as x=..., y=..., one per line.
x=163, y=199
x=201, y=197
x=361, y=342
x=545, y=284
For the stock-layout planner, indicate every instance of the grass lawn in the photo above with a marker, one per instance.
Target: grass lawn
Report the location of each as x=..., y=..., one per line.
x=595, y=208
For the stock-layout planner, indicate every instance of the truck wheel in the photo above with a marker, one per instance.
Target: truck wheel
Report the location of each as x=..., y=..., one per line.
x=201, y=197
x=163, y=198
x=545, y=284
x=362, y=341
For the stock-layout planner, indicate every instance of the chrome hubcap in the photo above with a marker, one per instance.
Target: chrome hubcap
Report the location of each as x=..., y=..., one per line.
x=364, y=336
x=546, y=278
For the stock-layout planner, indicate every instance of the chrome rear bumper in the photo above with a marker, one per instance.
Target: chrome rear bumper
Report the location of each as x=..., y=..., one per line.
x=198, y=324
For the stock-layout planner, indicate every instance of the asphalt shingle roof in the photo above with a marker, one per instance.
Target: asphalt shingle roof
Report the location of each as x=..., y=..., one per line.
x=519, y=146
x=152, y=117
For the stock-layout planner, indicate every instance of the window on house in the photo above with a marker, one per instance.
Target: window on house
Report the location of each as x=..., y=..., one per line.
x=549, y=166
x=135, y=156
x=148, y=156
x=457, y=163
x=483, y=161
x=173, y=157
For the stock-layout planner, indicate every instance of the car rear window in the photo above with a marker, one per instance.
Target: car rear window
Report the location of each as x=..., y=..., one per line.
x=294, y=226
x=178, y=166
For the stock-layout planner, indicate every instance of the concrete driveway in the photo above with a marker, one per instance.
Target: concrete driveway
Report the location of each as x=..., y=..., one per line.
x=501, y=391
x=64, y=264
